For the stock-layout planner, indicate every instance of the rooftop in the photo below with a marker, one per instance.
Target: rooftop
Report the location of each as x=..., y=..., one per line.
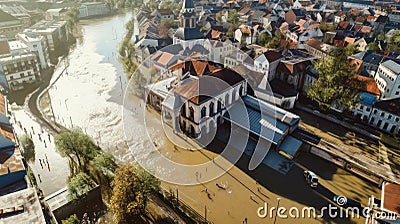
x=392, y=106
x=21, y=207
x=392, y=65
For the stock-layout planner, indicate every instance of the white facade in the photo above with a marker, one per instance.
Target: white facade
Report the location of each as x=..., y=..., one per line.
x=36, y=44
x=388, y=79
x=20, y=69
x=268, y=68
x=301, y=38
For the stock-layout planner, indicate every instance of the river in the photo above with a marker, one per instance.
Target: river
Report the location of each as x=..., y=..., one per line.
x=88, y=95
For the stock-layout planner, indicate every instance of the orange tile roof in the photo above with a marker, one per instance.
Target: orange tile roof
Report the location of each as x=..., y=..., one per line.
x=366, y=29
x=371, y=86
x=391, y=197
x=2, y=104
x=215, y=34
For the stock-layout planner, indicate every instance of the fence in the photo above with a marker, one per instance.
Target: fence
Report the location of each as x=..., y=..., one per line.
x=180, y=206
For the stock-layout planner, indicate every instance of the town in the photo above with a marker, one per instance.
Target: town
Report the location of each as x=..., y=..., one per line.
x=187, y=111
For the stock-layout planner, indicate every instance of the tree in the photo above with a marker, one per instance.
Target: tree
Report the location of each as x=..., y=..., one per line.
x=374, y=47
x=233, y=17
x=336, y=85
x=263, y=38
x=28, y=148
x=73, y=219
x=152, y=5
x=72, y=19
x=132, y=186
x=276, y=40
x=78, y=147
x=80, y=185
x=393, y=42
x=350, y=49
x=105, y=164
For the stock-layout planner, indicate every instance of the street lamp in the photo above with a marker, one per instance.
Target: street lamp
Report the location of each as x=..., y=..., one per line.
x=277, y=207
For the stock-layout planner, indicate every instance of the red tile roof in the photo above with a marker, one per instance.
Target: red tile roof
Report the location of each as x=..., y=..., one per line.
x=391, y=197
x=371, y=86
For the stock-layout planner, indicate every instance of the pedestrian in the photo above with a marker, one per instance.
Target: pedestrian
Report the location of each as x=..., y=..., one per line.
x=245, y=220
x=40, y=179
x=41, y=164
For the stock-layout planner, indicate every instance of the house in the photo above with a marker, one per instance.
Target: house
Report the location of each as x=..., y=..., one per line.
x=162, y=60
x=9, y=25
x=362, y=43
x=366, y=62
x=18, y=66
x=388, y=79
x=292, y=69
x=394, y=16
x=340, y=16
x=267, y=63
x=317, y=48
x=294, y=15
x=93, y=9
x=163, y=14
x=246, y=35
x=299, y=34
x=386, y=208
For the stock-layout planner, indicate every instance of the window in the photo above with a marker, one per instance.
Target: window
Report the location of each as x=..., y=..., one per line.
x=375, y=111
x=11, y=77
x=397, y=119
x=22, y=75
x=361, y=107
x=397, y=93
x=368, y=109
x=390, y=116
x=382, y=114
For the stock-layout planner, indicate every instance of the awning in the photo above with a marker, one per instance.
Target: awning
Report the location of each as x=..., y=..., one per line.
x=289, y=147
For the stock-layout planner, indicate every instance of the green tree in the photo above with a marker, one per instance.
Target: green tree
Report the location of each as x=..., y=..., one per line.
x=393, y=42
x=73, y=219
x=28, y=148
x=263, y=39
x=350, y=49
x=71, y=18
x=152, y=5
x=105, y=163
x=80, y=185
x=336, y=85
x=276, y=40
x=77, y=147
x=132, y=186
x=233, y=18
x=374, y=47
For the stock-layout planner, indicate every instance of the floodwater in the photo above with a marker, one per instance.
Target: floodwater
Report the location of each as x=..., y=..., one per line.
x=87, y=96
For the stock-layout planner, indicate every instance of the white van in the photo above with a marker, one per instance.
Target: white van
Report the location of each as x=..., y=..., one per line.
x=311, y=178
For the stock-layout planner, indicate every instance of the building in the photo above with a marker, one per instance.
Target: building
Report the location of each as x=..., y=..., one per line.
x=386, y=115
x=299, y=34
x=204, y=97
x=317, y=48
x=294, y=15
x=366, y=62
x=163, y=14
x=55, y=14
x=267, y=63
x=9, y=25
x=36, y=44
x=92, y=9
x=388, y=79
x=18, y=65
x=188, y=30
x=55, y=33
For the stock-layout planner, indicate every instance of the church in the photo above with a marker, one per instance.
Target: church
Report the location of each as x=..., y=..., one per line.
x=188, y=31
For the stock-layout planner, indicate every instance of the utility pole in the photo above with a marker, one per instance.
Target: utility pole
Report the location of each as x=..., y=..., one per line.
x=276, y=211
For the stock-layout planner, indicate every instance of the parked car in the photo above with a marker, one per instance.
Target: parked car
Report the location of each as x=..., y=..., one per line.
x=311, y=178
x=346, y=202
